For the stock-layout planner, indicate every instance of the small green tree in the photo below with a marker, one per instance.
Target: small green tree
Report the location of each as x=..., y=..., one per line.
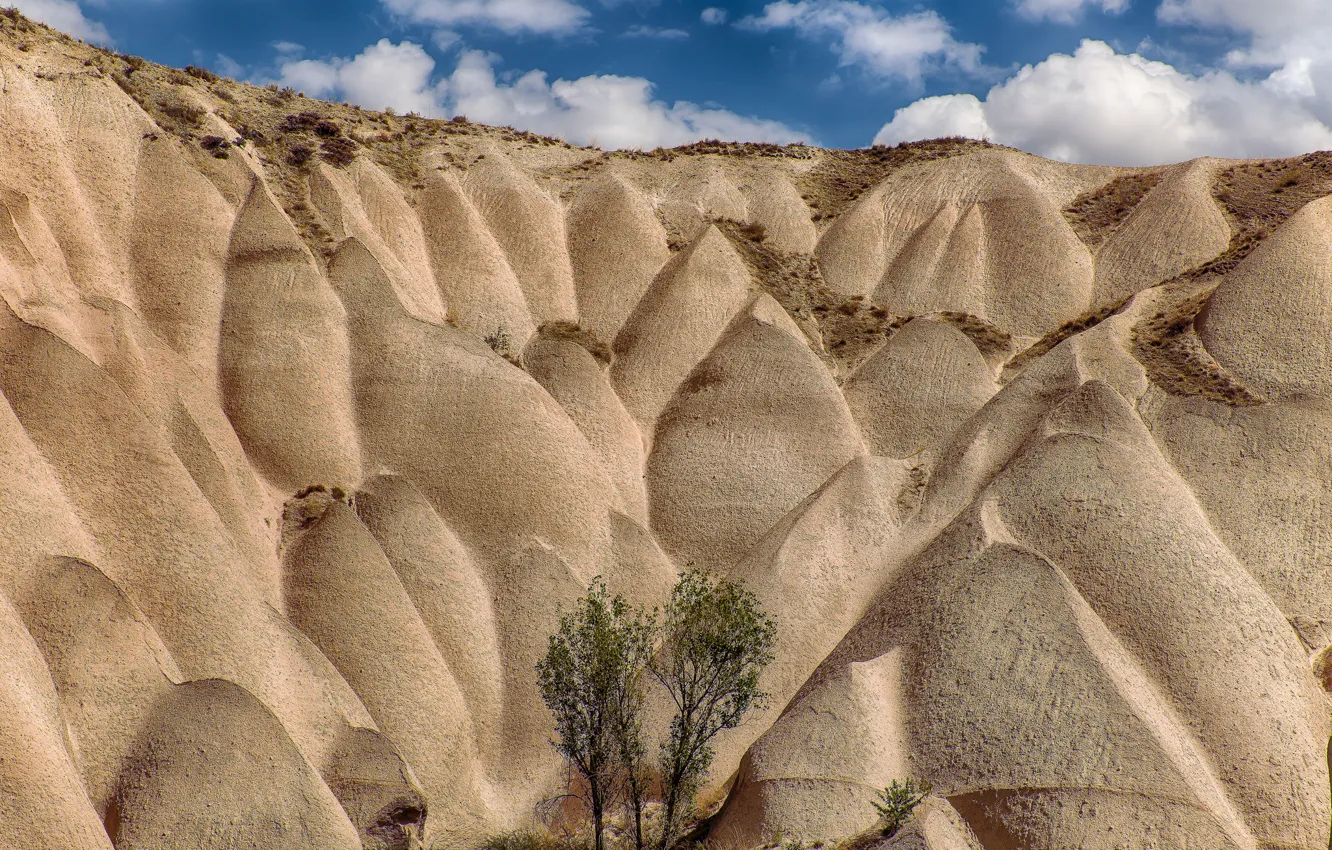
x=591, y=680
x=627, y=723
x=896, y=803
x=716, y=641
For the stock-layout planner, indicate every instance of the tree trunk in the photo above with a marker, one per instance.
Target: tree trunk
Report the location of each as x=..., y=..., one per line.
x=638, y=815
x=596, y=817
x=668, y=822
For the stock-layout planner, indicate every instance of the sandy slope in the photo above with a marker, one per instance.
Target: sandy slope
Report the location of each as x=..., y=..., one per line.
x=1074, y=586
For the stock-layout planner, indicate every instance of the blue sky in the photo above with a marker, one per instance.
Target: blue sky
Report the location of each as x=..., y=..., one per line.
x=1105, y=81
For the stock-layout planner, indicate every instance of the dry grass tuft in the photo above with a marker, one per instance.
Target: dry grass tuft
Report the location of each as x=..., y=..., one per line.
x=579, y=335
x=183, y=114
x=991, y=340
x=1096, y=214
x=1167, y=344
x=842, y=176
x=1087, y=320
x=531, y=839
x=848, y=328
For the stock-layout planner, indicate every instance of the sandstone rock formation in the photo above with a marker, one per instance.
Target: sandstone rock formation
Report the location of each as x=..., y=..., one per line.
x=312, y=418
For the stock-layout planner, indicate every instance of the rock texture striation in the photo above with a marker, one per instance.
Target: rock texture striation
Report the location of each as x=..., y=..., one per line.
x=312, y=418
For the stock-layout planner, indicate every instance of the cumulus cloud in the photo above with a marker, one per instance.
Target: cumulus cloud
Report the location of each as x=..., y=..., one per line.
x=714, y=16
x=1290, y=38
x=1279, y=32
x=936, y=117
x=1067, y=11
x=547, y=17
x=903, y=46
x=383, y=75
x=605, y=110
x=64, y=15
x=645, y=31
x=1106, y=107
x=1266, y=19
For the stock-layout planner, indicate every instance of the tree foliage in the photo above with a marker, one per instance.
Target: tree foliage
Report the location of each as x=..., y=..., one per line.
x=896, y=803
x=716, y=640
x=591, y=680
x=707, y=654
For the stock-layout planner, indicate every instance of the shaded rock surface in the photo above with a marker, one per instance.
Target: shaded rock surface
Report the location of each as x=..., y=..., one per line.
x=298, y=464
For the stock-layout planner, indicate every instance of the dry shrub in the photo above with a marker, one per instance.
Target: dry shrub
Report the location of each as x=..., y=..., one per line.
x=185, y=113
x=339, y=152
x=216, y=145
x=579, y=335
x=754, y=230
x=299, y=155
x=300, y=122
x=201, y=73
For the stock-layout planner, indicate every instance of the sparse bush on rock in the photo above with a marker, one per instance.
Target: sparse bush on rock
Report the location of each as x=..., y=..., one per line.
x=712, y=646
x=896, y=803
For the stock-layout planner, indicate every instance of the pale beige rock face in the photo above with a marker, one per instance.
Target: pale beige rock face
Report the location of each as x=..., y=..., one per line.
x=283, y=355
x=45, y=801
x=448, y=590
x=984, y=236
x=678, y=321
x=1178, y=225
x=343, y=593
x=366, y=204
x=918, y=389
x=617, y=246
x=178, y=251
x=753, y=429
x=528, y=224
x=1087, y=600
x=480, y=291
x=575, y=379
x=1269, y=332
x=107, y=663
x=231, y=774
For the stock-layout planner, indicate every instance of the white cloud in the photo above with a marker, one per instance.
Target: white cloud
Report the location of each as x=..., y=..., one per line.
x=1279, y=31
x=384, y=74
x=606, y=110
x=228, y=67
x=549, y=17
x=1067, y=11
x=905, y=46
x=64, y=15
x=1266, y=18
x=645, y=31
x=714, y=15
x=445, y=40
x=1293, y=37
x=935, y=117
x=1105, y=107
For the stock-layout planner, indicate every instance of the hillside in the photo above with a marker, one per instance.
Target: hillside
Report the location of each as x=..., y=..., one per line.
x=311, y=418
